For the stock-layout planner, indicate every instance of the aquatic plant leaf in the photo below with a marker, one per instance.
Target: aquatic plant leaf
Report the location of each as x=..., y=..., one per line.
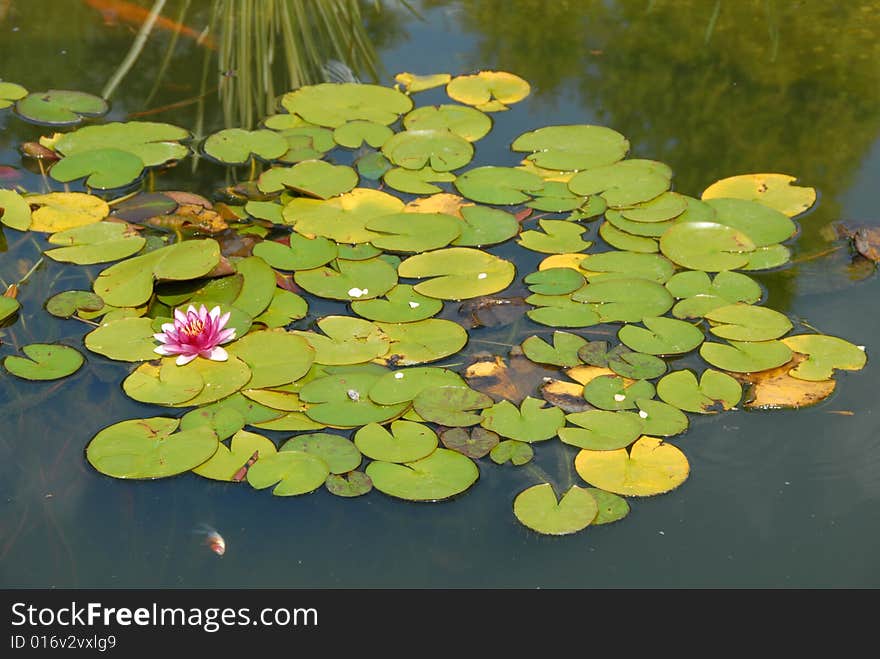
x=440, y=149
x=699, y=295
x=236, y=146
x=413, y=82
x=59, y=107
x=352, y=484
x=353, y=134
x=464, y=121
x=399, y=305
x=567, y=396
x=303, y=253
x=341, y=218
x=706, y=246
x=612, y=507
x=631, y=228
x=773, y=190
x=572, y=147
x=538, y=509
x=554, y=281
x=649, y=467
x=458, y=273
x=313, y=178
x=150, y=448
x=421, y=341
x=226, y=464
x=498, y=185
x=284, y=308
x=126, y=339
x=416, y=181
x=229, y=415
x=660, y=418
x=627, y=242
x=15, y=212
x=291, y=422
x=349, y=280
x=44, y=361
x=154, y=143
x=563, y=352
x=451, y=405
x=612, y=392
x=764, y=226
x=662, y=208
x=11, y=92
x=824, y=355
x=626, y=300
x=555, y=237
x=489, y=91
x=512, y=379
x=746, y=356
x=414, y=232
x=258, y=285
x=346, y=340
x=403, y=385
x=623, y=183
x=777, y=389
x=744, y=322
x=555, y=197
x=714, y=392
x=59, y=211
x=338, y=452
x=277, y=399
x=67, y=303
x=275, y=357
x=663, y=336
x=532, y=422
x=601, y=430
x=771, y=256
x=103, y=169
x=512, y=451
x=618, y=265
x=333, y=104
x=406, y=441
x=440, y=475
x=342, y=400
x=475, y=442
x=144, y=206
x=99, y=242
x=373, y=166
x=291, y=472
x=163, y=383
x=561, y=311
x=483, y=226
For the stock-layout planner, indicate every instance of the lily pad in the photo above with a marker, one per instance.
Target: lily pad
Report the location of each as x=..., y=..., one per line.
x=15, y=212
x=413, y=82
x=746, y=356
x=126, y=339
x=660, y=418
x=11, y=92
x=333, y=104
x=483, y=226
x=624, y=241
x=572, y=147
x=601, y=430
x=623, y=183
x=475, y=443
x=532, y=422
x=163, y=383
x=611, y=392
x=555, y=197
x=464, y=121
x=538, y=509
x=339, y=453
x=763, y=225
x=626, y=300
x=554, y=281
x=313, y=178
x=489, y=91
x=612, y=507
x=349, y=280
x=342, y=400
x=714, y=392
x=103, y=169
x=662, y=208
x=706, y=246
x=405, y=442
x=744, y=322
x=346, y=340
x=226, y=463
x=556, y=237
x=773, y=190
x=422, y=341
x=221, y=379
x=563, y=352
x=451, y=405
x=648, y=468
x=663, y=336
x=414, y=232
x=59, y=107
x=341, y=218
x=150, y=448
x=399, y=305
x=458, y=273
x=154, y=143
x=291, y=472
x=302, y=253
x=67, y=303
x=824, y=355
x=353, y=134
x=441, y=475
x=352, y=484
x=561, y=311
x=99, y=242
x=284, y=308
x=498, y=185
x=440, y=149
x=44, y=361
x=59, y=211
x=620, y=265
x=274, y=357
x=699, y=294
x=416, y=181
x=403, y=385
x=512, y=451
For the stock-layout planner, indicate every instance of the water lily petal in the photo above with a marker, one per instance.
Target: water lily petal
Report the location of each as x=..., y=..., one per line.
x=185, y=359
x=218, y=354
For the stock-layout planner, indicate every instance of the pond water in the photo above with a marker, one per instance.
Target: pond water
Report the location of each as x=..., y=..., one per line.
x=784, y=498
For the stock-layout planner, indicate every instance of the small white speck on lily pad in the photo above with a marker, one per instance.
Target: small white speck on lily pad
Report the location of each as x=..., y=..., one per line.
x=357, y=292
x=398, y=376
x=482, y=275
x=619, y=397
x=643, y=414
x=414, y=305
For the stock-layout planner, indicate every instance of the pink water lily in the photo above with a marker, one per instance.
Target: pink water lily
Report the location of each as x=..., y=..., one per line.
x=195, y=333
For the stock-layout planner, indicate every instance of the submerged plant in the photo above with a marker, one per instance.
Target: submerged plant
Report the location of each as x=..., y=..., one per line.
x=196, y=333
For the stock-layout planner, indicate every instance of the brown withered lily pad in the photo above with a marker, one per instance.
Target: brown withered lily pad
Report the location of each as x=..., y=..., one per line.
x=474, y=443
x=510, y=379
x=776, y=389
x=492, y=311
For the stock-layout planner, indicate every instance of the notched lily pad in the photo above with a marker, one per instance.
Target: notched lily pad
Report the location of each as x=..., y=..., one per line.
x=291, y=472
x=44, y=361
x=441, y=475
x=648, y=468
x=538, y=509
x=59, y=107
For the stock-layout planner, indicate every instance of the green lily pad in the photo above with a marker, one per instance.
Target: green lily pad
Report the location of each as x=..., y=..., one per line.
x=126, y=339
x=404, y=385
x=489, y=91
x=258, y=286
x=440, y=475
x=349, y=280
x=353, y=134
x=451, y=405
x=333, y=104
x=637, y=365
x=624, y=241
x=513, y=451
x=464, y=121
x=303, y=253
x=221, y=379
x=95, y=243
x=601, y=430
x=45, y=361
x=663, y=336
x=15, y=212
x=414, y=232
x=346, y=340
x=532, y=422
x=313, y=178
x=746, y=356
x=339, y=453
x=475, y=443
x=556, y=237
x=626, y=265
x=699, y=295
x=154, y=143
x=498, y=185
x=275, y=357
x=612, y=507
x=227, y=463
x=103, y=169
x=458, y=273
x=538, y=509
x=572, y=147
x=561, y=311
x=555, y=197
x=11, y=92
x=764, y=258
x=715, y=391
x=824, y=355
x=291, y=472
x=341, y=218
x=637, y=229
x=623, y=183
x=342, y=400
x=150, y=448
x=744, y=322
x=440, y=149
x=265, y=210
x=665, y=207
x=416, y=181
x=305, y=142
x=626, y=300
x=406, y=442
x=763, y=225
x=649, y=467
x=563, y=352
x=163, y=383
x=284, y=308
x=399, y=305
x=611, y=392
x=229, y=415
x=660, y=419
x=418, y=83
x=483, y=226
x=554, y=281
x=59, y=107
x=67, y=303
x=352, y=484
x=422, y=341
x=706, y=246
x=373, y=166
x=236, y=146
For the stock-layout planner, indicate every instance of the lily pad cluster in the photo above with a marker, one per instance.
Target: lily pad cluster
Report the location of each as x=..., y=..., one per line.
x=357, y=228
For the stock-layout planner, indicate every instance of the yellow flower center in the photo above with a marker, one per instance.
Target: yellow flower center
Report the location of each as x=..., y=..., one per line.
x=193, y=328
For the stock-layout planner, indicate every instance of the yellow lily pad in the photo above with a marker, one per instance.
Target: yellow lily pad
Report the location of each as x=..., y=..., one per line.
x=649, y=467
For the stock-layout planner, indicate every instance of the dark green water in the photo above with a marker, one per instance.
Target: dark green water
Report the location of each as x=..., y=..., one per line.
x=774, y=499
